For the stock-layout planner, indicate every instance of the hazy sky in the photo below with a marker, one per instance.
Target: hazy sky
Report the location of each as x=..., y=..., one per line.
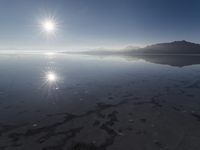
x=97, y=23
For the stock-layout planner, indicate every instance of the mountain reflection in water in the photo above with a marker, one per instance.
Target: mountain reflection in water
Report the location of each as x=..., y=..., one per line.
x=172, y=60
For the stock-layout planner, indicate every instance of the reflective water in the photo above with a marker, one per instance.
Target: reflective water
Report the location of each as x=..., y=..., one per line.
x=34, y=87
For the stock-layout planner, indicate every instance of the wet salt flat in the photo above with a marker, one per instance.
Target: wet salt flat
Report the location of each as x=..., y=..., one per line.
x=71, y=102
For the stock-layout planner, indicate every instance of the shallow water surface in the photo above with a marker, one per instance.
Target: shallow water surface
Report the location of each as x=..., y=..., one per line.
x=61, y=101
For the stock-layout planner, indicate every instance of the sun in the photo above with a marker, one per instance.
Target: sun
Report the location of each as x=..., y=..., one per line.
x=49, y=26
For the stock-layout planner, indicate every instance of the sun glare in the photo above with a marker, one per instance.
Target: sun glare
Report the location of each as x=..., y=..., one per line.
x=49, y=53
x=49, y=26
x=51, y=77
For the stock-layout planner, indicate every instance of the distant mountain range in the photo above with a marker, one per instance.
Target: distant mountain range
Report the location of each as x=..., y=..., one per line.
x=177, y=53
x=176, y=47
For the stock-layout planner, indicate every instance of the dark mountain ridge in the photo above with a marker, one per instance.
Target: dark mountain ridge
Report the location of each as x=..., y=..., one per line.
x=176, y=47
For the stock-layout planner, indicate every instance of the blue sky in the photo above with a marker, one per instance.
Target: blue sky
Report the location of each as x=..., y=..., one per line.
x=97, y=23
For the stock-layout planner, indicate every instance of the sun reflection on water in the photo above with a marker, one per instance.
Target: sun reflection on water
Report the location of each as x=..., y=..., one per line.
x=51, y=77
x=51, y=81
